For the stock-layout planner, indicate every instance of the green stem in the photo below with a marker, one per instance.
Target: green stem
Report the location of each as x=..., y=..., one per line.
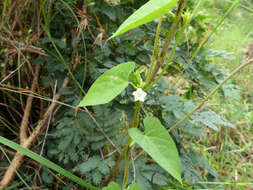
x=155, y=52
x=136, y=114
x=250, y=8
x=127, y=154
x=127, y=147
x=204, y=101
x=168, y=40
x=211, y=94
x=4, y=11
x=84, y=44
x=172, y=29
x=154, y=68
x=166, y=65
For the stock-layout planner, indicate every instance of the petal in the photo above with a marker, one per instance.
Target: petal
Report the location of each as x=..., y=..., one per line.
x=141, y=99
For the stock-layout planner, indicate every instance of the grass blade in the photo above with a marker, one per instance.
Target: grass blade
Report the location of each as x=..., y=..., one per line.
x=46, y=162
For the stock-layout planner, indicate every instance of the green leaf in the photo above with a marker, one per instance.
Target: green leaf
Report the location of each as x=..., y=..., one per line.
x=46, y=162
x=46, y=176
x=89, y=165
x=159, y=145
x=135, y=186
x=151, y=10
x=103, y=168
x=112, y=186
x=211, y=119
x=96, y=177
x=108, y=85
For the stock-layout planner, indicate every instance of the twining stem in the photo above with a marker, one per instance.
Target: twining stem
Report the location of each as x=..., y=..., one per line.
x=203, y=102
x=154, y=68
x=112, y=173
x=134, y=123
x=173, y=30
x=126, y=167
x=170, y=36
x=211, y=94
x=149, y=84
x=155, y=51
x=166, y=65
x=156, y=63
x=136, y=114
x=126, y=150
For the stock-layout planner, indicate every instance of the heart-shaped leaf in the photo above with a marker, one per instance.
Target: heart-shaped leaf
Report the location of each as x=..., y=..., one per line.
x=108, y=85
x=112, y=186
x=135, y=186
x=151, y=10
x=159, y=145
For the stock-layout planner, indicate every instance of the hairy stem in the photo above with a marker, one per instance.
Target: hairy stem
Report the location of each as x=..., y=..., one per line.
x=127, y=154
x=155, y=51
x=167, y=42
x=126, y=150
x=127, y=147
x=203, y=102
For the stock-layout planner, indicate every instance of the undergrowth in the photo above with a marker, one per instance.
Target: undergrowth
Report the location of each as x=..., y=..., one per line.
x=65, y=41
x=231, y=150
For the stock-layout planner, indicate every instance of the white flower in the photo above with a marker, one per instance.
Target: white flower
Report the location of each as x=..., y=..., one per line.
x=139, y=95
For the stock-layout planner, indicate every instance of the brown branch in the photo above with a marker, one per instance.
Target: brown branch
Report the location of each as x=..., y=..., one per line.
x=25, y=119
x=18, y=158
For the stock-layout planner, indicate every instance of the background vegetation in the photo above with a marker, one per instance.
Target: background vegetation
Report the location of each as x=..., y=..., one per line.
x=64, y=41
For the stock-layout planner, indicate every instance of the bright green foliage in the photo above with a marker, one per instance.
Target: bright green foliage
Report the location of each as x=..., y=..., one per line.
x=108, y=85
x=159, y=145
x=136, y=79
x=134, y=187
x=146, y=13
x=112, y=186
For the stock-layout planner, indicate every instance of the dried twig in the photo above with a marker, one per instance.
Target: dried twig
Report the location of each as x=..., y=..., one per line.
x=18, y=158
x=48, y=123
x=24, y=47
x=24, y=123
